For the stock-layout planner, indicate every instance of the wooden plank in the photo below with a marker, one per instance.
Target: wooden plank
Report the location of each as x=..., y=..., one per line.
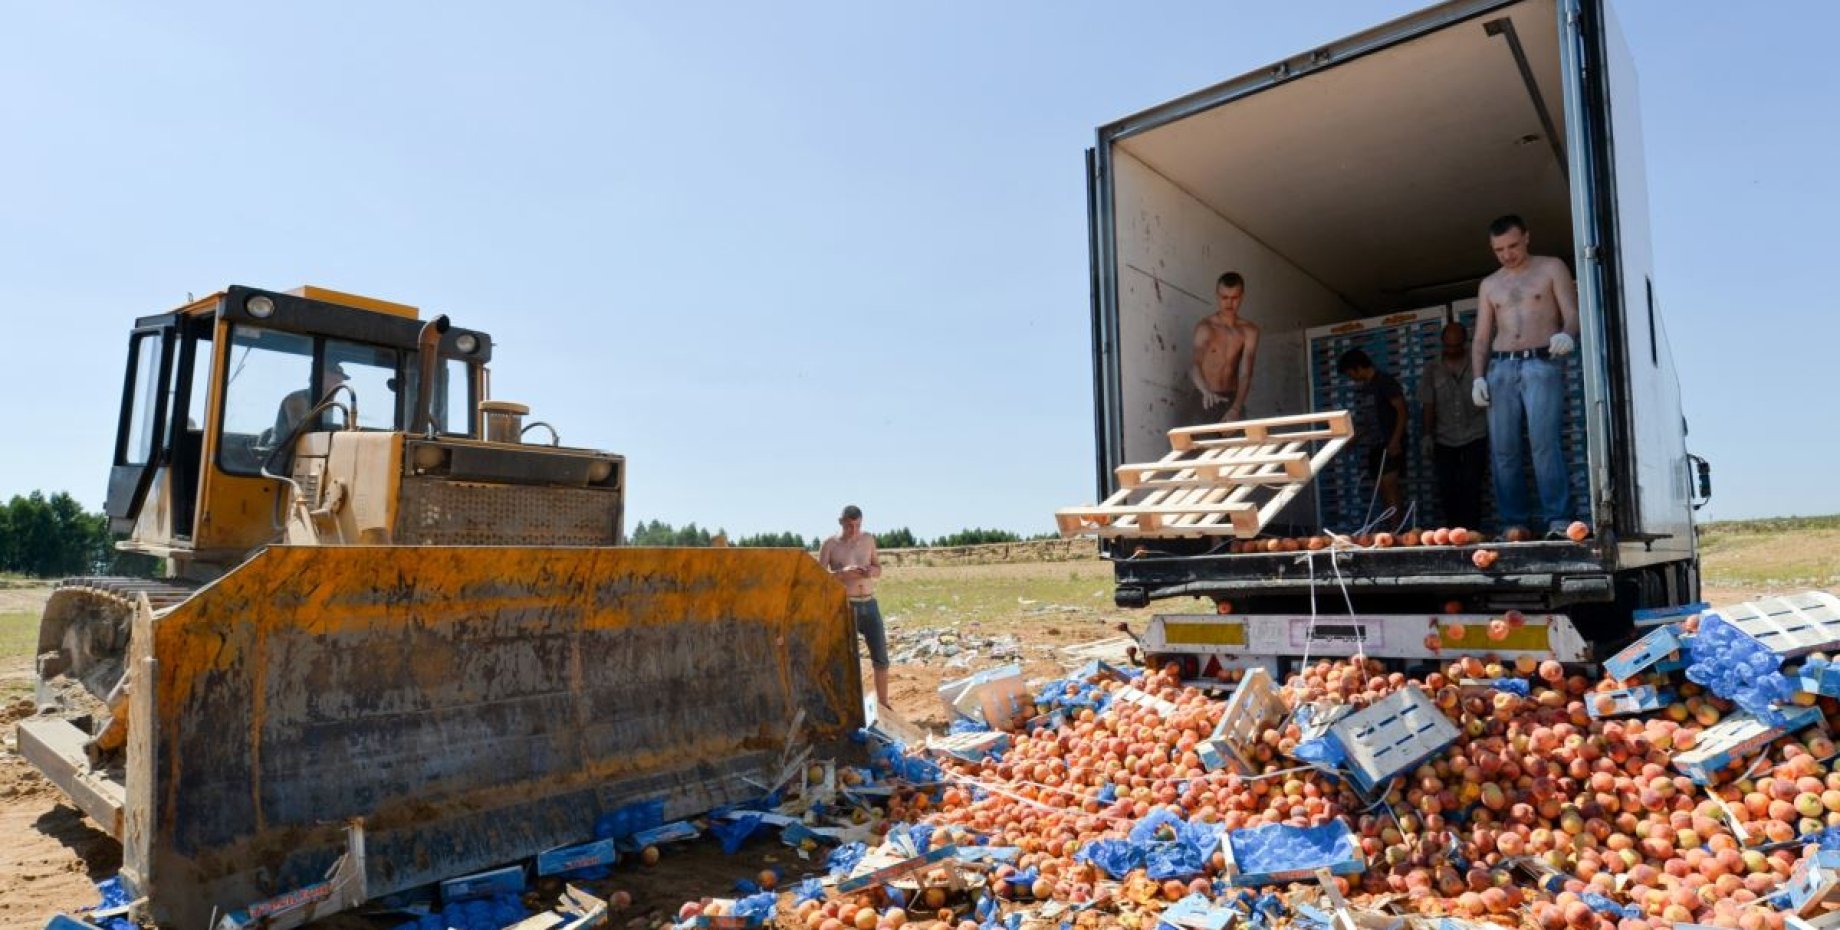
x=55, y=747
x=1329, y=424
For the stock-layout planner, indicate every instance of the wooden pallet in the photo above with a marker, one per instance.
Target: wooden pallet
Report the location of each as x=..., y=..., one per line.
x=1222, y=479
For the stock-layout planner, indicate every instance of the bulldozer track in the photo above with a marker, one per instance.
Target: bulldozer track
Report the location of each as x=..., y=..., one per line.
x=124, y=591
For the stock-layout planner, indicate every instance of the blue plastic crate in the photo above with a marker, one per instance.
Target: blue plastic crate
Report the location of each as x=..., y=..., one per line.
x=1644, y=653
x=1654, y=616
x=1393, y=735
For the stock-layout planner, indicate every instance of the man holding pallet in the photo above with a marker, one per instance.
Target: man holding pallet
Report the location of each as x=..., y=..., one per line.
x=1526, y=324
x=850, y=557
x=1225, y=347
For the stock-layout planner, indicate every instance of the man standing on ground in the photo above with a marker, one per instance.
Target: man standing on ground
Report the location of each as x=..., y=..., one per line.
x=1225, y=347
x=1456, y=431
x=1381, y=427
x=850, y=556
x=1526, y=325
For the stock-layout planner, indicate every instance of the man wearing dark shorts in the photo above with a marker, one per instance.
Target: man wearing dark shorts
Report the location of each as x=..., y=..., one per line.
x=1381, y=426
x=851, y=557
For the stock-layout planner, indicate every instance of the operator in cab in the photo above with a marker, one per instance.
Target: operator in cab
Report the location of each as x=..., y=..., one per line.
x=295, y=407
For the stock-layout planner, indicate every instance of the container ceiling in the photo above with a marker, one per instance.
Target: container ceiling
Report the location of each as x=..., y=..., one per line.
x=1379, y=175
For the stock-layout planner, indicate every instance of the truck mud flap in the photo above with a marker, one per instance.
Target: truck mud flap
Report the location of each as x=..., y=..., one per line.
x=470, y=706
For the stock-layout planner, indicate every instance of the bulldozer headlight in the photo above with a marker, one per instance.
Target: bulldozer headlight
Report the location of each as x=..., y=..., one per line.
x=260, y=306
x=467, y=342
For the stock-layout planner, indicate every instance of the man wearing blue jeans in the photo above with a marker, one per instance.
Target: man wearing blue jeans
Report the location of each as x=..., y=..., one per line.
x=850, y=557
x=1526, y=324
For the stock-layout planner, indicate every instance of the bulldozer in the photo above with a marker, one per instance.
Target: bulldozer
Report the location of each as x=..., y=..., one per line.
x=399, y=637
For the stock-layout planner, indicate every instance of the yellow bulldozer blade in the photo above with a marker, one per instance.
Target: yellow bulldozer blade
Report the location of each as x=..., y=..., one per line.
x=469, y=706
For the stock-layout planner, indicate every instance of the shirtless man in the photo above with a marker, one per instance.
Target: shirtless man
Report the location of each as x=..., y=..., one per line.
x=850, y=557
x=1225, y=347
x=1526, y=324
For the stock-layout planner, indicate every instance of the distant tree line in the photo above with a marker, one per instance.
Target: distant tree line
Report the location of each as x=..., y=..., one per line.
x=660, y=533
x=54, y=536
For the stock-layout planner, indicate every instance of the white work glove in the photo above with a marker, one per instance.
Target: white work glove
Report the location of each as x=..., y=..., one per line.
x=1561, y=344
x=1479, y=392
x=1210, y=400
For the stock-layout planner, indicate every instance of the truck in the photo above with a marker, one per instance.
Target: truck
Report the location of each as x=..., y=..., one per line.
x=1352, y=186
x=399, y=636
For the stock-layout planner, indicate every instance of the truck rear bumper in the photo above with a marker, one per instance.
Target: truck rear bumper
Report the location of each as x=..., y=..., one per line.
x=1378, y=636
x=1569, y=572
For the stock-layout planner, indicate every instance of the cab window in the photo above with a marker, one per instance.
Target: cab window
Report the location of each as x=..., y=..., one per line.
x=267, y=385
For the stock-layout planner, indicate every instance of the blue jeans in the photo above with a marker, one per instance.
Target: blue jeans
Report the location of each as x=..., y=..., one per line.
x=1532, y=389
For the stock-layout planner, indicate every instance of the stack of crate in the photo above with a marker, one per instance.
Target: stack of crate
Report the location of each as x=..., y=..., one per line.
x=1404, y=345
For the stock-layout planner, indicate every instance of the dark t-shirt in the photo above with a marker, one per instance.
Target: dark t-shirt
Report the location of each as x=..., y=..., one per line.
x=1378, y=413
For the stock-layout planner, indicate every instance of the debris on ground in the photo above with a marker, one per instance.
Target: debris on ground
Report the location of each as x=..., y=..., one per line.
x=1694, y=784
x=949, y=646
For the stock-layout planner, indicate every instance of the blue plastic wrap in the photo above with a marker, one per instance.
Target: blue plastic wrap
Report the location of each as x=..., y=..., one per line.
x=1609, y=908
x=628, y=819
x=844, y=858
x=1279, y=848
x=1113, y=857
x=113, y=896
x=477, y=914
x=962, y=724
x=811, y=889
x=1731, y=664
x=757, y=906
x=1321, y=751
x=911, y=769
x=734, y=833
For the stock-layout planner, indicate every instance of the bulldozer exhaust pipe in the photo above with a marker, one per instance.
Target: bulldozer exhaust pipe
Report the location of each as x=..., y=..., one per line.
x=426, y=345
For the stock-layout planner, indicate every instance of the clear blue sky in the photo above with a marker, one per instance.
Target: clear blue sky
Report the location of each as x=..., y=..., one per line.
x=785, y=256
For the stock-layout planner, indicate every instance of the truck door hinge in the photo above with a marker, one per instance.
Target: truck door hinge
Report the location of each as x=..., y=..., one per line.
x=1590, y=251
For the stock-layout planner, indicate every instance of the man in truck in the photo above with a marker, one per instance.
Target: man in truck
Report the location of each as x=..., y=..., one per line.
x=1455, y=433
x=1225, y=347
x=1380, y=428
x=1526, y=324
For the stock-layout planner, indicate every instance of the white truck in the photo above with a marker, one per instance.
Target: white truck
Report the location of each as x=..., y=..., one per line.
x=1352, y=186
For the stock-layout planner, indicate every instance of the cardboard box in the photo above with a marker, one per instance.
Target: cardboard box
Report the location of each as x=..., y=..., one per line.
x=491, y=883
x=577, y=856
x=1648, y=651
x=1625, y=701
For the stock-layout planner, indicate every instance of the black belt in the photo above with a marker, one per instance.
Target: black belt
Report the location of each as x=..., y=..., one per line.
x=1521, y=354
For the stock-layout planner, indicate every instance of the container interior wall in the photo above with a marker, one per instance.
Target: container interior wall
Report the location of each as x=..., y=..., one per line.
x=1172, y=248
x=1355, y=193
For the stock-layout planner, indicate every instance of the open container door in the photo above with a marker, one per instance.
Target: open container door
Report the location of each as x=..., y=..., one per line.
x=1643, y=493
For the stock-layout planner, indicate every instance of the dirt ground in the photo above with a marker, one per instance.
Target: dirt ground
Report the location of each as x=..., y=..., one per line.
x=51, y=855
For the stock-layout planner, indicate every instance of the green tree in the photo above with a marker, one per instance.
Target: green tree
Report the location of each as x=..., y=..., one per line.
x=54, y=536
x=977, y=537
x=898, y=538
x=774, y=540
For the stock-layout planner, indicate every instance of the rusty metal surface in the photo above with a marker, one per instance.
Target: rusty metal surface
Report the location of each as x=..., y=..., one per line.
x=473, y=705
x=442, y=511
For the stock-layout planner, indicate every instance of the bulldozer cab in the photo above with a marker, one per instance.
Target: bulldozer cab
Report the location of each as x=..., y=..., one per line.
x=226, y=397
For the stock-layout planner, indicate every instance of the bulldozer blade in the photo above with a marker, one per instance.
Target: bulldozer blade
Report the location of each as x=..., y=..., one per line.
x=469, y=706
